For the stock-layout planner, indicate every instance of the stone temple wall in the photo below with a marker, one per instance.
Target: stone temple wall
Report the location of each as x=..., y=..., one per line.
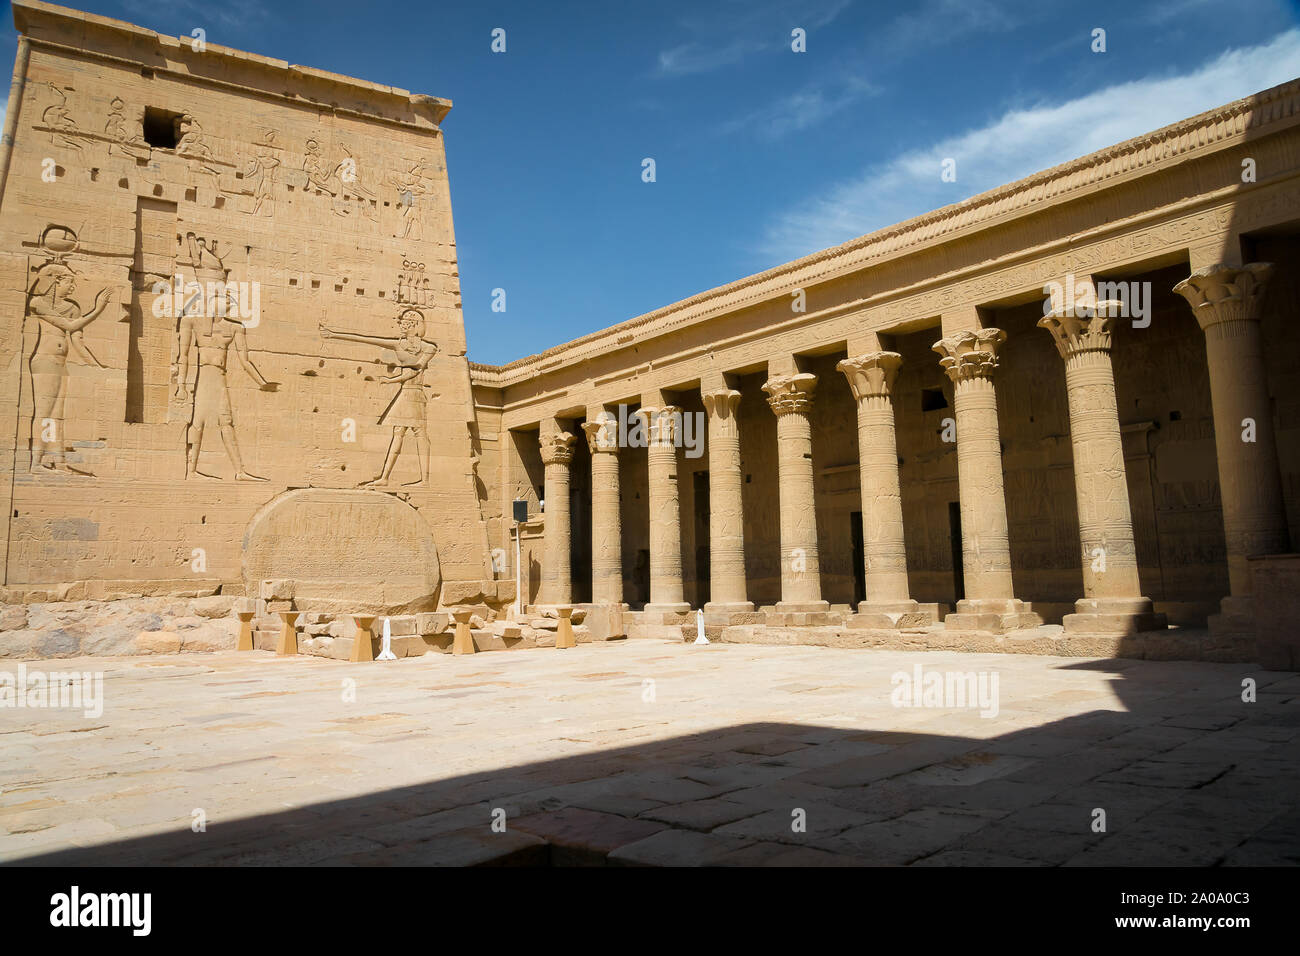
x=133, y=462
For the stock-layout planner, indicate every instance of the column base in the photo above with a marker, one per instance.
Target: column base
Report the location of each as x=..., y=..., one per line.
x=724, y=614
x=998, y=615
x=895, y=615
x=1113, y=616
x=605, y=622
x=665, y=613
x=1236, y=617
x=800, y=614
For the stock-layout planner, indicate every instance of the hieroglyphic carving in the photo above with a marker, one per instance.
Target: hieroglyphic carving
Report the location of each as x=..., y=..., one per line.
x=408, y=409
x=209, y=326
x=60, y=321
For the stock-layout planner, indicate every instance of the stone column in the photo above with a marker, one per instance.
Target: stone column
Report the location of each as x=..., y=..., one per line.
x=970, y=358
x=889, y=604
x=1226, y=302
x=1113, y=601
x=606, y=522
x=790, y=397
x=557, y=454
x=727, y=590
x=667, y=599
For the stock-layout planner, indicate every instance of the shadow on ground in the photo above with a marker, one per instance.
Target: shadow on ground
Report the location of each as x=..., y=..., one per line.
x=1199, y=778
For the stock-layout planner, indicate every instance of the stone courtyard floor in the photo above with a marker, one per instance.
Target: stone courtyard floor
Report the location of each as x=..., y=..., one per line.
x=647, y=752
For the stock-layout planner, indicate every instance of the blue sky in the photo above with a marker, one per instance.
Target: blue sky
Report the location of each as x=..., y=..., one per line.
x=761, y=154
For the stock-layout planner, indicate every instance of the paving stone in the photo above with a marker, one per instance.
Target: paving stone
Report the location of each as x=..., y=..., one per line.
x=579, y=837
x=701, y=814
x=474, y=847
x=677, y=848
x=820, y=821
x=288, y=772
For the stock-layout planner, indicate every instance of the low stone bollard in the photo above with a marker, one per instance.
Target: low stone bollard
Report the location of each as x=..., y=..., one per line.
x=564, y=636
x=362, y=647
x=245, y=642
x=288, y=645
x=463, y=642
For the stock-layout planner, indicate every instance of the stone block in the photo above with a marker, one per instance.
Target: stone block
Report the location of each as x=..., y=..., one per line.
x=432, y=622
x=277, y=589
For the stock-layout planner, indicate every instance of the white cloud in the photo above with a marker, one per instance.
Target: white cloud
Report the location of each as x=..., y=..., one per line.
x=801, y=110
x=1021, y=142
x=727, y=34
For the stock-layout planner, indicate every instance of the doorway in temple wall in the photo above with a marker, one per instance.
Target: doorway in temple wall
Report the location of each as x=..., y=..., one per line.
x=859, y=571
x=700, y=489
x=954, y=535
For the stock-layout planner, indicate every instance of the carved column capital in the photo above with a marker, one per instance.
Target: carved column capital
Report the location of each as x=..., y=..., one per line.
x=970, y=354
x=791, y=393
x=602, y=433
x=661, y=424
x=871, y=374
x=1085, y=328
x=557, y=448
x=721, y=402
x=1223, y=293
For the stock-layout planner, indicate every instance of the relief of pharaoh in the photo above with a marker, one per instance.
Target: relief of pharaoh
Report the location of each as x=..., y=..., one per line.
x=209, y=327
x=59, y=329
x=408, y=409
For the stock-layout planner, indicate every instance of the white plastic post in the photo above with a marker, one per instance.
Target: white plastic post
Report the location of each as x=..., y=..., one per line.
x=699, y=627
x=386, y=652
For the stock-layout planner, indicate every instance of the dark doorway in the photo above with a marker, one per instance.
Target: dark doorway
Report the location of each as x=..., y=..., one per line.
x=954, y=534
x=702, y=579
x=859, y=571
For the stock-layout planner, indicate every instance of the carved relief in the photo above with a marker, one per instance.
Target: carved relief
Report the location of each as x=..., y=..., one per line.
x=120, y=139
x=872, y=374
x=413, y=286
x=1222, y=293
x=602, y=433
x=557, y=447
x=407, y=411
x=791, y=393
x=1082, y=329
x=340, y=180
x=208, y=327
x=970, y=354
x=59, y=121
x=192, y=144
x=260, y=172
x=59, y=326
x=415, y=190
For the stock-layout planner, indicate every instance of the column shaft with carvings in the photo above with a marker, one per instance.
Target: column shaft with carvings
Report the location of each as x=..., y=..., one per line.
x=557, y=455
x=888, y=601
x=790, y=397
x=606, y=521
x=1113, y=601
x=970, y=359
x=727, y=588
x=1226, y=302
x=666, y=591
